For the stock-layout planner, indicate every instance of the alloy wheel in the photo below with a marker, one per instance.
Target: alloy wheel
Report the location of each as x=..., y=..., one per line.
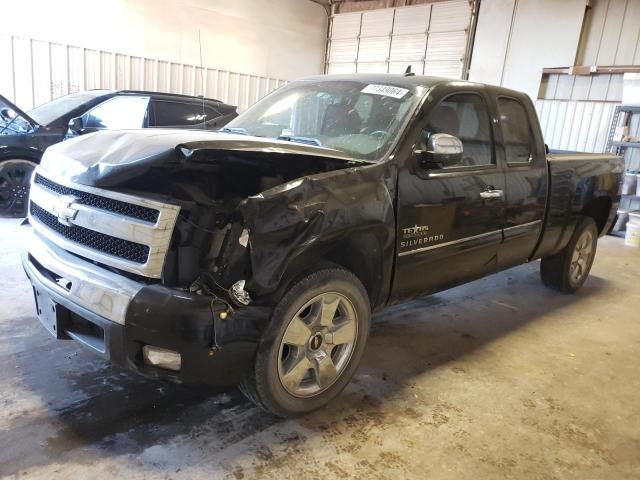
x=15, y=176
x=317, y=344
x=581, y=258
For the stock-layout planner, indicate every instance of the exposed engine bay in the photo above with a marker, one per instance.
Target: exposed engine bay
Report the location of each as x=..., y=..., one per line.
x=208, y=251
x=252, y=209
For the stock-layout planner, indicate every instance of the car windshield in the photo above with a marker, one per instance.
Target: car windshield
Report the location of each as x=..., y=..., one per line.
x=358, y=118
x=49, y=112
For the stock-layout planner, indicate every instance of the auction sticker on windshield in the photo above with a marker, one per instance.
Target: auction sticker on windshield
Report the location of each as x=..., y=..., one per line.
x=386, y=90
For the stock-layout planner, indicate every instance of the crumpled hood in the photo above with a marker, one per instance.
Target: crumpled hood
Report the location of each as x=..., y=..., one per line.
x=106, y=158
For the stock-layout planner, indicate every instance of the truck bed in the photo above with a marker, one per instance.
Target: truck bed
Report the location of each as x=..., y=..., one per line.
x=580, y=183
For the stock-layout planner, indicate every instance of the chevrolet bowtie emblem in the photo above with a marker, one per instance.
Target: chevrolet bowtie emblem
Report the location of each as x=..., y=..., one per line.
x=63, y=209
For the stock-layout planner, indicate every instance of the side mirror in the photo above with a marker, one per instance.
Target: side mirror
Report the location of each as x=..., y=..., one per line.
x=76, y=125
x=443, y=150
x=546, y=149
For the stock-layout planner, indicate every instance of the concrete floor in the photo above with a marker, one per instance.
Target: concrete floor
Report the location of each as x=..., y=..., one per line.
x=501, y=378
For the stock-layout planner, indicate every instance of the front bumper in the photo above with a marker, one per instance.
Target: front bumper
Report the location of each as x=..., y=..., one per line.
x=115, y=317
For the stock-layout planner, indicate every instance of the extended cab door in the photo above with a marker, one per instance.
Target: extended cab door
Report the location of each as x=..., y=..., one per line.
x=450, y=219
x=526, y=177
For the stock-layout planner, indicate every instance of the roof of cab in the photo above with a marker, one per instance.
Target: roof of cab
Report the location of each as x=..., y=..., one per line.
x=106, y=92
x=407, y=81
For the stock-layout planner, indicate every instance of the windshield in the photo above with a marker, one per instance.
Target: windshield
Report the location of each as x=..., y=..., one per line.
x=49, y=112
x=357, y=118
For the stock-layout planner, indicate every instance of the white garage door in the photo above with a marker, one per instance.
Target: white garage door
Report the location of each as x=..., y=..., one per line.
x=432, y=38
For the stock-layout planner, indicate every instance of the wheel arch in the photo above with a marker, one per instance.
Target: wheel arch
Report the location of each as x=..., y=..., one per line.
x=20, y=154
x=363, y=255
x=599, y=208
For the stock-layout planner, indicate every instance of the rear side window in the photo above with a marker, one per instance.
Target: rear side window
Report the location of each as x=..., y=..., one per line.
x=516, y=131
x=118, y=113
x=181, y=114
x=465, y=116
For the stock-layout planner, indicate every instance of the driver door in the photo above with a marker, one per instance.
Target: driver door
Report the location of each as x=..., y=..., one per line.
x=450, y=217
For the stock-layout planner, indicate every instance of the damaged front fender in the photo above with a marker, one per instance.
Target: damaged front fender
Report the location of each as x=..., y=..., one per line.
x=345, y=217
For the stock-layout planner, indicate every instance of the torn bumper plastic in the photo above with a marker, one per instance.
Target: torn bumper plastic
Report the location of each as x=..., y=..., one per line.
x=117, y=322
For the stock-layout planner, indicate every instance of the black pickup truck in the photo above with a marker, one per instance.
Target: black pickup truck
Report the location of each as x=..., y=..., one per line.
x=255, y=255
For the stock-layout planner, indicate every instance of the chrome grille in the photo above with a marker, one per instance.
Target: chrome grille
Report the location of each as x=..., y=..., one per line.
x=102, y=242
x=109, y=204
x=119, y=230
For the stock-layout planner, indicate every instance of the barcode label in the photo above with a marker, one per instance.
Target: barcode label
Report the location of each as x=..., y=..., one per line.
x=386, y=90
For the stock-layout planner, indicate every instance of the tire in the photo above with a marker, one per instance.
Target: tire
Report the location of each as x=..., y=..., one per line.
x=15, y=178
x=567, y=270
x=313, y=344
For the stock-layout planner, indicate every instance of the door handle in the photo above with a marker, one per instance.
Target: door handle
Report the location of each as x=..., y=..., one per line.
x=491, y=193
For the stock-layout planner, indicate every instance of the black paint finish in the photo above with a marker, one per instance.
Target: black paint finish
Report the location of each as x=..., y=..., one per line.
x=403, y=229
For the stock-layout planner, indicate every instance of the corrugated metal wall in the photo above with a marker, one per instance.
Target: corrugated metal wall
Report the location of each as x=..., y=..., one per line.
x=34, y=72
x=611, y=33
x=431, y=38
x=575, y=126
x=575, y=111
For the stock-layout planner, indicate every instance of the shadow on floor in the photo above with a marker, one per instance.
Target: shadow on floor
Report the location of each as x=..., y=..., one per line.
x=104, y=407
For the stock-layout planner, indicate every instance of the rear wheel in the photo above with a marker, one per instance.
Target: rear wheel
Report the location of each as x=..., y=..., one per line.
x=567, y=270
x=313, y=344
x=15, y=175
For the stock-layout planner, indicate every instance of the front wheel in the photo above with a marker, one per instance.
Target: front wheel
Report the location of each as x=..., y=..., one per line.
x=567, y=270
x=15, y=176
x=313, y=344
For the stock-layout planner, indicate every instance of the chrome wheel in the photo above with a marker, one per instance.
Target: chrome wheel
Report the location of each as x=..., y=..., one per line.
x=15, y=176
x=581, y=258
x=317, y=344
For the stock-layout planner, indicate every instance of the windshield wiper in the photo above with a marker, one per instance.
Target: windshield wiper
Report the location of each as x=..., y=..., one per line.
x=305, y=140
x=238, y=130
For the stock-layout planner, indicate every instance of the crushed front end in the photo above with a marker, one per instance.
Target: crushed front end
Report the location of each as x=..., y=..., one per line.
x=144, y=256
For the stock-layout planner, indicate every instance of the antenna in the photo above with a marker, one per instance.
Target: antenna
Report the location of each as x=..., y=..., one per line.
x=408, y=72
x=204, y=117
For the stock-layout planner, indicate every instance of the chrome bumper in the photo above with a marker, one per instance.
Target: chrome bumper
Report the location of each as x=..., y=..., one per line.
x=96, y=289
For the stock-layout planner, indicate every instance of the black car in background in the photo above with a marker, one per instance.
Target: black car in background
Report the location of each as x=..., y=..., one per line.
x=24, y=136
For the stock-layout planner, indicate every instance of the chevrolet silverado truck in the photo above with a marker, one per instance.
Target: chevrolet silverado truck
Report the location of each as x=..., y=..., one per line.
x=256, y=255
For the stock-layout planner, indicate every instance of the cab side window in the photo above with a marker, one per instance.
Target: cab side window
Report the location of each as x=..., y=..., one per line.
x=516, y=131
x=181, y=114
x=118, y=113
x=466, y=117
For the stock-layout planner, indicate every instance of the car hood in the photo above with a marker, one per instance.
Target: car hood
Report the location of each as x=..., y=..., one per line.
x=108, y=158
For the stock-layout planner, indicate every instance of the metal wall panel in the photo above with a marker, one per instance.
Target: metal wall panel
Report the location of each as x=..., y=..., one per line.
x=575, y=125
x=344, y=50
x=611, y=33
x=389, y=40
x=374, y=49
x=34, y=72
x=408, y=47
x=450, y=16
x=598, y=87
x=401, y=67
x=346, y=25
x=445, y=53
x=337, y=68
x=410, y=20
x=377, y=23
